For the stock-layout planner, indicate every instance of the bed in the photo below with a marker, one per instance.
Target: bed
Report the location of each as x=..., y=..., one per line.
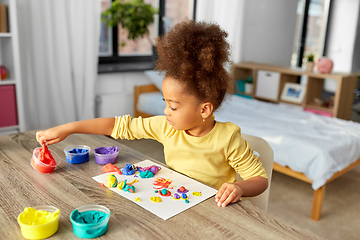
x=309, y=147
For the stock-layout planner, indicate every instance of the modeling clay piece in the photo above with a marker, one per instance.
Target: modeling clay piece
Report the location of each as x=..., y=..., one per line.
x=161, y=182
x=31, y=216
x=46, y=157
x=127, y=187
x=146, y=174
x=153, y=168
x=111, y=168
x=137, y=199
x=176, y=196
x=198, y=194
x=78, y=150
x=156, y=199
x=165, y=193
x=106, y=150
x=129, y=169
x=182, y=189
x=185, y=197
x=111, y=181
x=88, y=217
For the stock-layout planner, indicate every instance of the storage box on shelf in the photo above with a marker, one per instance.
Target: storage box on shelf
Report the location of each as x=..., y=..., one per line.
x=11, y=108
x=267, y=85
x=8, y=113
x=3, y=18
x=269, y=81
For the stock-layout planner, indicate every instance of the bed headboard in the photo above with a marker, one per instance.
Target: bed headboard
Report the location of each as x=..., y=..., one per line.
x=137, y=91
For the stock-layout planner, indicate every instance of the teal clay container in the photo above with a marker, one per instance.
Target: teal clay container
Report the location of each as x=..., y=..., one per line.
x=90, y=221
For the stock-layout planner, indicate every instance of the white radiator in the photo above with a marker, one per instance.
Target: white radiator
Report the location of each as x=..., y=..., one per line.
x=111, y=105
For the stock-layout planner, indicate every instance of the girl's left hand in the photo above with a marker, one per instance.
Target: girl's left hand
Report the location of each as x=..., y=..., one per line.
x=228, y=193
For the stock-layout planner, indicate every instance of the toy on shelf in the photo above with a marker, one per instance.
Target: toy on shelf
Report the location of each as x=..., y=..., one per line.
x=3, y=72
x=325, y=65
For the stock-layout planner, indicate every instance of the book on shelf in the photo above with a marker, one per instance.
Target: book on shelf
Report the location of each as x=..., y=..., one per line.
x=3, y=18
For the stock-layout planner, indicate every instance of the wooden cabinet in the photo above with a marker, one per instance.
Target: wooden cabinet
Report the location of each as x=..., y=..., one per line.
x=342, y=99
x=11, y=108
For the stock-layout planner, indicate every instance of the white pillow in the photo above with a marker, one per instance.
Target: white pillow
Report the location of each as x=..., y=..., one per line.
x=156, y=78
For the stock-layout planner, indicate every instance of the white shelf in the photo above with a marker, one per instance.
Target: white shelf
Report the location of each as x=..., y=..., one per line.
x=342, y=103
x=5, y=35
x=9, y=130
x=10, y=58
x=7, y=82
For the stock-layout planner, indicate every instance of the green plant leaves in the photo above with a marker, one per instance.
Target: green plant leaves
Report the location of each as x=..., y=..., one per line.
x=135, y=16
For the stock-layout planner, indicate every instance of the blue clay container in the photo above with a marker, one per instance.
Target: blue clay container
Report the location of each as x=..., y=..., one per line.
x=77, y=154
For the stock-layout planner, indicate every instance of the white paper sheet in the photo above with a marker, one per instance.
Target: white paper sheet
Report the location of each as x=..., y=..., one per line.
x=144, y=189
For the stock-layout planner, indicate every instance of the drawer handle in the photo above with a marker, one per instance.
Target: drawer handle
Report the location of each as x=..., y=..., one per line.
x=268, y=74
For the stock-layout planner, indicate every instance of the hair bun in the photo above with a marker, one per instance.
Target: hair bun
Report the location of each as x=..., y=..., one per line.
x=206, y=58
x=196, y=55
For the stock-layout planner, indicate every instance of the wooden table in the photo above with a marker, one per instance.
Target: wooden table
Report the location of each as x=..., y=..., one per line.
x=71, y=186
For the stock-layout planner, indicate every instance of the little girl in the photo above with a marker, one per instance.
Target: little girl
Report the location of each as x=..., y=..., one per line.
x=193, y=57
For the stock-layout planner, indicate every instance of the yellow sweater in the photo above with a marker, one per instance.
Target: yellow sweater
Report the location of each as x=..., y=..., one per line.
x=211, y=159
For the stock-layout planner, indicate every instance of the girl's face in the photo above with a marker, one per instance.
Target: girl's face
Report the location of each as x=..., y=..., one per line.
x=183, y=111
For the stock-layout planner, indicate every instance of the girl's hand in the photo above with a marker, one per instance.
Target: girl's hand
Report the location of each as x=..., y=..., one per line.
x=52, y=135
x=228, y=193
x=99, y=126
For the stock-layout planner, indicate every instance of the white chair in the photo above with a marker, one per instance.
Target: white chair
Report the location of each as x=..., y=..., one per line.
x=265, y=151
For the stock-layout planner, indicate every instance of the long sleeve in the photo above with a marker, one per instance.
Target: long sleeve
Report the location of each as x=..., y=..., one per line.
x=130, y=128
x=242, y=158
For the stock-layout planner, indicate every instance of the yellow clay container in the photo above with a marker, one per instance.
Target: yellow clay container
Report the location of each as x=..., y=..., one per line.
x=36, y=224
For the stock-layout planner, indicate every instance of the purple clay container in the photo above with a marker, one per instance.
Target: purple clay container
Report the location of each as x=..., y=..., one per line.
x=105, y=155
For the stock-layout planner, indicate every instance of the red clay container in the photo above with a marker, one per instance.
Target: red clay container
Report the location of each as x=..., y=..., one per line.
x=42, y=167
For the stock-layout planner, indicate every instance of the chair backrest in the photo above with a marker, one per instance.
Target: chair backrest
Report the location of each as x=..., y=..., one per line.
x=265, y=151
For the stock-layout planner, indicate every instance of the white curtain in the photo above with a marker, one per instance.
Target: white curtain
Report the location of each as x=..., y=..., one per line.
x=59, y=44
x=229, y=15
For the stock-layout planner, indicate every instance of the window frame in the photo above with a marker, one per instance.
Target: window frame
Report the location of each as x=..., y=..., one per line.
x=303, y=33
x=116, y=63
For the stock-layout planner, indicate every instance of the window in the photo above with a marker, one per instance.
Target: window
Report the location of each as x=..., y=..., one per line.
x=140, y=52
x=311, y=27
x=105, y=34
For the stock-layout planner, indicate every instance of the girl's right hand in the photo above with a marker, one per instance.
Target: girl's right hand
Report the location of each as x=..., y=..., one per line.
x=52, y=135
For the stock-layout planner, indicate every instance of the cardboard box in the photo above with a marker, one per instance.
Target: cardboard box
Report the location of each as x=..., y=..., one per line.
x=3, y=18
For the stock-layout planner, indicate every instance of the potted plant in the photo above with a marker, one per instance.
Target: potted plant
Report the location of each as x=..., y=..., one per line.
x=310, y=62
x=134, y=15
x=249, y=85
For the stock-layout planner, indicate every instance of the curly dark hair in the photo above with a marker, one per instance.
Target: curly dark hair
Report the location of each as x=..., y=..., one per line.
x=196, y=54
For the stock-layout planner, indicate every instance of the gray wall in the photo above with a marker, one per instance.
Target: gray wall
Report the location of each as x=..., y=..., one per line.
x=268, y=32
x=342, y=38
x=356, y=56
